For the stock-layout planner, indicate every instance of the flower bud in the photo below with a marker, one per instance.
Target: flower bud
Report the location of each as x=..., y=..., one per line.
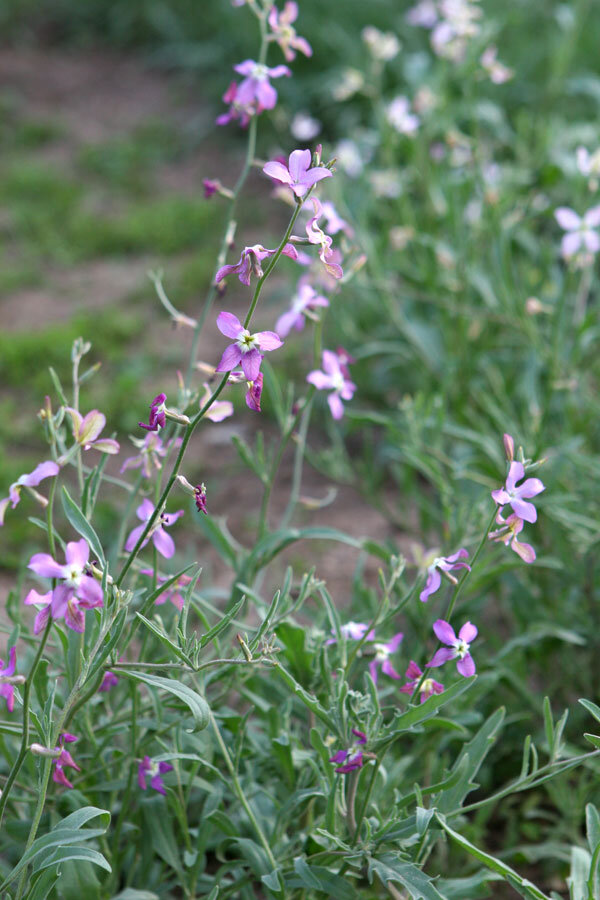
x=48, y=752
x=509, y=447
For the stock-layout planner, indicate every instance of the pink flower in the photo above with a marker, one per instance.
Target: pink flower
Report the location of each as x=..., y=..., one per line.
x=333, y=379
x=86, y=430
x=161, y=540
x=498, y=72
x=458, y=647
x=256, y=91
x=513, y=494
x=443, y=564
x=220, y=409
x=250, y=262
x=298, y=174
x=280, y=24
x=7, y=689
x=172, y=593
x=151, y=451
x=64, y=759
x=155, y=770
x=334, y=221
x=157, y=418
x=254, y=393
x=317, y=236
x=507, y=534
x=400, y=117
x=429, y=686
x=32, y=479
x=210, y=187
x=236, y=109
x=354, y=630
x=351, y=759
x=580, y=235
x=67, y=601
x=305, y=301
x=247, y=348
x=382, y=658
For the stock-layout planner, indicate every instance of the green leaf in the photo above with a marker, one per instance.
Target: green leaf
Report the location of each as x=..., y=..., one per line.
x=467, y=888
x=196, y=704
x=469, y=761
x=414, y=715
x=64, y=854
x=390, y=867
x=81, y=524
x=592, y=821
x=593, y=739
x=132, y=894
x=591, y=708
x=578, y=876
x=525, y=888
x=41, y=886
x=272, y=544
x=160, y=828
x=222, y=624
x=163, y=638
x=321, y=879
x=216, y=531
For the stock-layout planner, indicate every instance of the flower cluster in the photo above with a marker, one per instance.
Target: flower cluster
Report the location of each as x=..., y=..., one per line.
x=516, y=496
x=77, y=592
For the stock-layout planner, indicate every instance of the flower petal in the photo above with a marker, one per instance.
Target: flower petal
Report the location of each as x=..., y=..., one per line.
x=277, y=171
x=91, y=426
x=251, y=364
x=229, y=325
x=567, y=218
x=44, y=470
x=43, y=564
x=443, y=655
x=468, y=632
x=77, y=553
x=444, y=632
x=231, y=357
x=90, y=592
x=164, y=543
x=268, y=340
x=466, y=666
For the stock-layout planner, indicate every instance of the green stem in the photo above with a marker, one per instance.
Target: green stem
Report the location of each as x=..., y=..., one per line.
x=36, y=821
x=241, y=795
x=25, y=738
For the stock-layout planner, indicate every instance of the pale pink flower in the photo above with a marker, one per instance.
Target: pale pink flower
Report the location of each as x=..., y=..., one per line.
x=332, y=378
x=7, y=688
x=220, y=409
x=517, y=495
x=581, y=234
x=32, y=479
x=305, y=302
x=382, y=658
x=400, y=117
x=151, y=452
x=247, y=348
x=317, y=236
x=86, y=430
x=161, y=540
x=507, y=534
x=443, y=564
x=78, y=592
x=498, y=72
x=458, y=647
x=256, y=91
x=250, y=262
x=284, y=33
x=299, y=175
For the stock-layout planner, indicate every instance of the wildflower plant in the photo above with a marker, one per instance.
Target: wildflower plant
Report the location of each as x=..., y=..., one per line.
x=240, y=740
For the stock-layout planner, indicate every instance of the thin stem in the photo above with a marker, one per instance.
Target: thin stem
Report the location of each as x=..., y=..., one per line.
x=25, y=738
x=36, y=821
x=241, y=795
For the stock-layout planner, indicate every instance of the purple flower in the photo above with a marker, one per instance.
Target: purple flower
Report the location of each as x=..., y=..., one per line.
x=256, y=91
x=32, y=479
x=157, y=418
x=513, y=494
x=7, y=689
x=154, y=770
x=353, y=757
x=161, y=540
x=67, y=601
x=354, y=630
x=280, y=24
x=250, y=262
x=148, y=459
x=298, y=174
x=382, y=658
x=64, y=759
x=109, y=681
x=317, y=236
x=247, y=348
x=236, y=109
x=172, y=593
x=443, y=564
x=210, y=187
x=254, y=393
x=333, y=379
x=580, y=231
x=429, y=686
x=511, y=527
x=86, y=430
x=303, y=303
x=200, y=498
x=334, y=221
x=458, y=647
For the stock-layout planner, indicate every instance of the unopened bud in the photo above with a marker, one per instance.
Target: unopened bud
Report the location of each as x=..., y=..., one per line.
x=245, y=648
x=177, y=416
x=48, y=752
x=509, y=447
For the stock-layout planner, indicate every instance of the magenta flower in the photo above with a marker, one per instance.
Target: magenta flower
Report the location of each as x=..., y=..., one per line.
x=507, y=534
x=86, y=430
x=443, y=564
x=513, y=494
x=210, y=187
x=256, y=91
x=458, y=647
x=247, y=348
x=429, y=686
x=298, y=174
x=32, y=479
x=305, y=301
x=284, y=33
x=148, y=767
x=382, y=658
x=580, y=231
x=7, y=689
x=317, y=236
x=68, y=600
x=109, y=681
x=333, y=379
x=161, y=540
x=151, y=451
x=157, y=418
x=254, y=393
x=250, y=262
x=354, y=630
x=172, y=593
x=65, y=759
x=351, y=759
x=236, y=109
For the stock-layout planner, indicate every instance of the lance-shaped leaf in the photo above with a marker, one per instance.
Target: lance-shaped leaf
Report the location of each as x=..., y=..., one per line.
x=195, y=703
